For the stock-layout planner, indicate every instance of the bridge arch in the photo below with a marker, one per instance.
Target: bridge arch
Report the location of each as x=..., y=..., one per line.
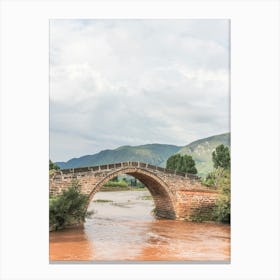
x=162, y=196
x=176, y=195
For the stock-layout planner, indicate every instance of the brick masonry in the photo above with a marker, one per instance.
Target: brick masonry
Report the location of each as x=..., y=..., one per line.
x=176, y=195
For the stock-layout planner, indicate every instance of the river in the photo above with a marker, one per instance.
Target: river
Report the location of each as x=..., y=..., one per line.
x=123, y=228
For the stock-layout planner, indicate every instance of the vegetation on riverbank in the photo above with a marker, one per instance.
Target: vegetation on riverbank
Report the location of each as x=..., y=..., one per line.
x=102, y=200
x=127, y=183
x=146, y=197
x=111, y=183
x=118, y=188
x=68, y=208
x=219, y=178
x=222, y=207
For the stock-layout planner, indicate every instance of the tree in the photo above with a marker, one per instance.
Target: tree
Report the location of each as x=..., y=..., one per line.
x=188, y=165
x=173, y=162
x=53, y=166
x=180, y=163
x=221, y=157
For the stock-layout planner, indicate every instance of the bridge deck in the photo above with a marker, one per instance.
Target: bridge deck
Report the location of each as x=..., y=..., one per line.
x=126, y=164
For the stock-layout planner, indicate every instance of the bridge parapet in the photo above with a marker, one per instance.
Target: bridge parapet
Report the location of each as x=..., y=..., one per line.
x=112, y=166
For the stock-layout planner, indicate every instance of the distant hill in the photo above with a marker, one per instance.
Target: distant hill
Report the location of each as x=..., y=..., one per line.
x=156, y=154
x=201, y=151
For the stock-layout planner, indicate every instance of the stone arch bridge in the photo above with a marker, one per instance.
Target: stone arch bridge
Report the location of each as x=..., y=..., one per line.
x=176, y=195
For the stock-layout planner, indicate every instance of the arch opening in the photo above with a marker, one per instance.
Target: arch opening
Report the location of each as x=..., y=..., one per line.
x=164, y=205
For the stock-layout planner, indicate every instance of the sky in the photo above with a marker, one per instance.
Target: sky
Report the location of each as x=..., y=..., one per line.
x=133, y=82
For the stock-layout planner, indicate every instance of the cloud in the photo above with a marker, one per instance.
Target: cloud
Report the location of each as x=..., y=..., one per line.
x=130, y=82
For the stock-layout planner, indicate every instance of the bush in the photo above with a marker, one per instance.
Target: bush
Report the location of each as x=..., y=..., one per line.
x=221, y=178
x=69, y=208
x=116, y=184
x=216, y=177
x=222, y=209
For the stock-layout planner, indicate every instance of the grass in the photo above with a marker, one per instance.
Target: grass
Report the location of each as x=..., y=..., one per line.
x=119, y=188
x=146, y=197
x=116, y=184
x=103, y=200
x=113, y=189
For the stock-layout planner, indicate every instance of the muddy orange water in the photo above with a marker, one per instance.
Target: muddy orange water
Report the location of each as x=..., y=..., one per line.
x=123, y=228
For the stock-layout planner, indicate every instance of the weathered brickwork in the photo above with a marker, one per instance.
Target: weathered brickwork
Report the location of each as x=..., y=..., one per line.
x=192, y=204
x=176, y=195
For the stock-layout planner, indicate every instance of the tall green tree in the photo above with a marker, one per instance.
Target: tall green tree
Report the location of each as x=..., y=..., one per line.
x=221, y=157
x=173, y=162
x=188, y=165
x=181, y=164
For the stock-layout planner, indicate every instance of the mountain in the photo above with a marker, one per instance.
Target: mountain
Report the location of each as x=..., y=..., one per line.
x=155, y=154
x=201, y=151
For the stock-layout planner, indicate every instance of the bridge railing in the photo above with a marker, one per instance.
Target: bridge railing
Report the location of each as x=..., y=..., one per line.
x=126, y=164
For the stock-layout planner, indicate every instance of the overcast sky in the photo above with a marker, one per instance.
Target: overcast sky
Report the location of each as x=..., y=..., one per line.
x=132, y=82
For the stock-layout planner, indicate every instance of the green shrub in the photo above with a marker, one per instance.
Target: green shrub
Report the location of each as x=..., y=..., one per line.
x=102, y=200
x=220, y=179
x=69, y=208
x=216, y=177
x=116, y=184
x=222, y=207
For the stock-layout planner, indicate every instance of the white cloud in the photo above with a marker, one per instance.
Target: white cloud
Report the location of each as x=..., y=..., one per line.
x=119, y=82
